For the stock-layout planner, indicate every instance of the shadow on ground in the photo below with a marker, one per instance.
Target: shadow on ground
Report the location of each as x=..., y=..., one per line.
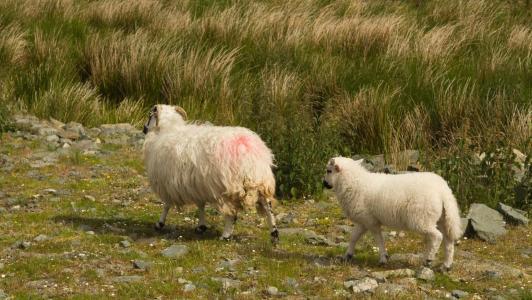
x=135, y=229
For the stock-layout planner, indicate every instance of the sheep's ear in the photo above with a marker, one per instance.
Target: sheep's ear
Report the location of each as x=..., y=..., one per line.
x=181, y=111
x=337, y=168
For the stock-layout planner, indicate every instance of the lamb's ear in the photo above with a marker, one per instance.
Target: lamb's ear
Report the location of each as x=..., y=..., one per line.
x=337, y=167
x=181, y=111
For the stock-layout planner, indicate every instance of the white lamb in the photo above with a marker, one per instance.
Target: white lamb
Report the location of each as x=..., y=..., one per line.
x=227, y=167
x=421, y=202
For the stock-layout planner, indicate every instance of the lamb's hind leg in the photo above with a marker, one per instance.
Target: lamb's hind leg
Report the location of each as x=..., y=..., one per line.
x=449, y=253
x=379, y=239
x=266, y=207
x=434, y=238
x=162, y=219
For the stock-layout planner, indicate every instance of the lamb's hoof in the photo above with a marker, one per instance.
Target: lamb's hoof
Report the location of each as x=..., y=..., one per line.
x=159, y=226
x=428, y=263
x=384, y=260
x=275, y=237
x=201, y=229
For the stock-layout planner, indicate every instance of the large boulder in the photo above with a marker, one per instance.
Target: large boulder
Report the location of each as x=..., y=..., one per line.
x=487, y=223
x=512, y=215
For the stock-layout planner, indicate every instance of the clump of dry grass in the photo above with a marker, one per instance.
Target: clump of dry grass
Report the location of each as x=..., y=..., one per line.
x=13, y=45
x=520, y=38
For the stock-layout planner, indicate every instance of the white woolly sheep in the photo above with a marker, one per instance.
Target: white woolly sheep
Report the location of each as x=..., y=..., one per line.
x=421, y=202
x=227, y=167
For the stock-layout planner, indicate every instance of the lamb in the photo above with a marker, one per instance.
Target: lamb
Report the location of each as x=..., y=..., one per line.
x=189, y=163
x=421, y=202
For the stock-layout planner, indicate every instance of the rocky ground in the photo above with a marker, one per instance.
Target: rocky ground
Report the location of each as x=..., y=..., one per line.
x=77, y=215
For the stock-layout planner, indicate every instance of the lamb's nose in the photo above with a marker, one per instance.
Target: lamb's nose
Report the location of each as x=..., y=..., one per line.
x=326, y=184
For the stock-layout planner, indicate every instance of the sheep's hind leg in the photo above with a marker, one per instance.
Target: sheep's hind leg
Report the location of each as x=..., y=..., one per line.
x=230, y=221
x=434, y=238
x=270, y=219
x=162, y=219
x=201, y=223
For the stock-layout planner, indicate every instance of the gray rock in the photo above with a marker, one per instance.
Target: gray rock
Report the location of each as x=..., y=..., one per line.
x=3, y=295
x=406, y=258
x=492, y=274
x=272, y=291
x=425, y=274
x=459, y=294
x=285, y=218
x=85, y=145
x=125, y=244
x=512, y=215
x=175, y=251
x=126, y=279
x=381, y=276
x=291, y=282
x=310, y=236
x=21, y=245
x=391, y=289
x=120, y=128
x=50, y=191
x=227, y=283
x=487, y=223
x=89, y=197
x=52, y=138
x=199, y=269
x=40, y=238
x=228, y=264
x=142, y=265
x=189, y=287
x=346, y=229
x=366, y=284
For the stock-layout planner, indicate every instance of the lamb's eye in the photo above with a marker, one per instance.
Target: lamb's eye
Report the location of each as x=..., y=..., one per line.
x=329, y=171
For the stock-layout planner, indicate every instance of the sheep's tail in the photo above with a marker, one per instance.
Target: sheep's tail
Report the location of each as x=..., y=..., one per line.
x=451, y=217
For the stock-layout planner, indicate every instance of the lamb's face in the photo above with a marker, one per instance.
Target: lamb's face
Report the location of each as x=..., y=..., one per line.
x=165, y=116
x=331, y=174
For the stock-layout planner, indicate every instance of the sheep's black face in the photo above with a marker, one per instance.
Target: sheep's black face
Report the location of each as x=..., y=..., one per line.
x=152, y=120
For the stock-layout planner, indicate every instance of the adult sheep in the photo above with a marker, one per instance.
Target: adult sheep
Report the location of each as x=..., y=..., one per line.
x=421, y=202
x=227, y=167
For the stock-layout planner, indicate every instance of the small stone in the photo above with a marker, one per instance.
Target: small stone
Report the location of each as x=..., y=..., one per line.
x=142, y=265
x=272, y=291
x=3, y=295
x=125, y=244
x=175, y=251
x=199, y=269
x=65, y=145
x=227, y=283
x=291, y=282
x=381, y=276
x=425, y=274
x=182, y=280
x=89, y=197
x=366, y=284
x=189, y=287
x=402, y=234
x=90, y=232
x=491, y=274
x=22, y=245
x=459, y=294
x=50, y=191
x=40, y=238
x=52, y=138
x=487, y=223
x=125, y=279
x=393, y=233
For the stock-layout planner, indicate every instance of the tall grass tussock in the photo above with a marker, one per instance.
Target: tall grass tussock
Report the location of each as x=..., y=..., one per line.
x=314, y=78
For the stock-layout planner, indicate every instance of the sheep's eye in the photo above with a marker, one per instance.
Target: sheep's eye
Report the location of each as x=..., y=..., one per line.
x=329, y=171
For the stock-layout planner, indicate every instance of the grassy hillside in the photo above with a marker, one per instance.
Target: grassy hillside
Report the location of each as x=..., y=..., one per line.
x=314, y=78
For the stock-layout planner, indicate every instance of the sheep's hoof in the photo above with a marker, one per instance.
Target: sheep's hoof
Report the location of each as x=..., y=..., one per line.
x=275, y=237
x=348, y=257
x=428, y=263
x=444, y=269
x=225, y=238
x=159, y=226
x=201, y=229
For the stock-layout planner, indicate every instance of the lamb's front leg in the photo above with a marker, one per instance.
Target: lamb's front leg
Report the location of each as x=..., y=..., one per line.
x=270, y=219
x=162, y=218
x=379, y=239
x=357, y=232
x=202, y=227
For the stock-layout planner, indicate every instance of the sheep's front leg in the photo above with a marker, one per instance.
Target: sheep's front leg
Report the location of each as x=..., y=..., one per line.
x=356, y=234
x=270, y=219
x=230, y=221
x=433, y=238
x=377, y=235
x=162, y=218
x=201, y=223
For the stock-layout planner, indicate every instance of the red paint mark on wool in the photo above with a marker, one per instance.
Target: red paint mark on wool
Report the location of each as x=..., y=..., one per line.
x=236, y=147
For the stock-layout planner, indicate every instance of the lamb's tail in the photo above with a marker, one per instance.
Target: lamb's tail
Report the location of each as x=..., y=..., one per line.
x=451, y=217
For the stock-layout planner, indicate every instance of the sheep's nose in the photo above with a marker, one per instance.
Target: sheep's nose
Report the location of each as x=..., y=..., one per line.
x=145, y=130
x=326, y=184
